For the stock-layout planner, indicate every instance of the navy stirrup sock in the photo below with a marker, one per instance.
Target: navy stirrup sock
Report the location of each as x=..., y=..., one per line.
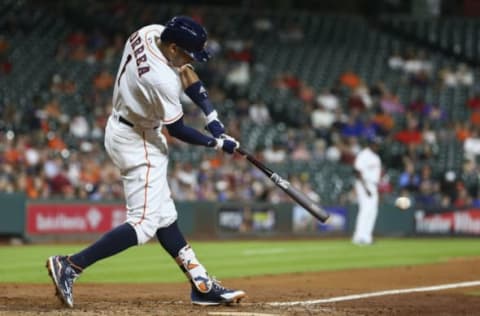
x=171, y=239
x=113, y=242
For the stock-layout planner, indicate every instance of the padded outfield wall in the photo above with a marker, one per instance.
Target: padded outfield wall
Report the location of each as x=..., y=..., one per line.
x=63, y=221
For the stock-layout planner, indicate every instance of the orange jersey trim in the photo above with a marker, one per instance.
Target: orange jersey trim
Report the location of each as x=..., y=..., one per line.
x=173, y=119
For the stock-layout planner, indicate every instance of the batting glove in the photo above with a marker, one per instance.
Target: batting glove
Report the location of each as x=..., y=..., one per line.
x=228, y=145
x=214, y=126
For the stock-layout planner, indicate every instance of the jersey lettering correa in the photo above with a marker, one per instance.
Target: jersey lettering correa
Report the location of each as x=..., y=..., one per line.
x=138, y=49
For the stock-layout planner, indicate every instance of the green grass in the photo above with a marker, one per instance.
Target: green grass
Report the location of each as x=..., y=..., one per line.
x=149, y=263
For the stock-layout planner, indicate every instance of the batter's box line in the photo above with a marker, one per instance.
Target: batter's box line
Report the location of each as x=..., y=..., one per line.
x=381, y=293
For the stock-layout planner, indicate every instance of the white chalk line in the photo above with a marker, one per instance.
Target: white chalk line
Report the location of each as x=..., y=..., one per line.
x=381, y=293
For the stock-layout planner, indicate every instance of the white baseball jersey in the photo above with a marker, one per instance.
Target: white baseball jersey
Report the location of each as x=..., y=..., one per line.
x=369, y=165
x=146, y=94
x=147, y=89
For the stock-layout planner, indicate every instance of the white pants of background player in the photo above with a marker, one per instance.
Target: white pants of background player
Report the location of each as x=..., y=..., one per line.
x=367, y=213
x=141, y=156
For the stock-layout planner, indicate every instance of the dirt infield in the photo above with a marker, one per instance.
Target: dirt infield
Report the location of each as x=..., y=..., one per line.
x=173, y=299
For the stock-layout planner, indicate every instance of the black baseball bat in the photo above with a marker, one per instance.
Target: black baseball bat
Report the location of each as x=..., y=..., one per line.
x=298, y=196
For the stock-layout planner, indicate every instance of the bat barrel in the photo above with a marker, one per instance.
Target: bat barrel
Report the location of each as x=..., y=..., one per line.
x=298, y=196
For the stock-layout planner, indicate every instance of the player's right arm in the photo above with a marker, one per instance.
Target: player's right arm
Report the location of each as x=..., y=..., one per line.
x=357, y=170
x=165, y=95
x=197, y=92
x=359, y=177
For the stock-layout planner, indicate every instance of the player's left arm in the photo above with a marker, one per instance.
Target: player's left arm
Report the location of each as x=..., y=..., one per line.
x=190, y=135
x=197, y=92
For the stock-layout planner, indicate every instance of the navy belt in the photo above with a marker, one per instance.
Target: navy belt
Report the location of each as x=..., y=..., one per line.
x=125, y=121
x=128, y=123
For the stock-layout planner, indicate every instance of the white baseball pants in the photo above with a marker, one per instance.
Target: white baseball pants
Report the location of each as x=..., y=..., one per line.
x=141, y=156
x=367, y=214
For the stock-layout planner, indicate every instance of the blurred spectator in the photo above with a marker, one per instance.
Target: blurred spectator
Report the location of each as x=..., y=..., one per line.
x=371, y=130
x=79, y=126
x=475, y=118
x=319, y=149
x=60, y=186
x=434, y=113
x=385, y=186
x=275, y=153
x=462, y=130
x=396, y=62
x=333, y=152
x=429, y=135
x=103, y=81
x=418, y=105
x=470, y=176
x=239, y=51
x=322, y=120
x=462, y=199
x=263, y=24
x=306, y=93
x=353, y=127
x=471, y=146
x=55, y=142
x=328, y=100
x=350, y=79
x=411, y=134
x=59, y=85
x=412, y=63
x=448, y=187
x=384, y=121
x=390, y=103
x=238, y=75
x=420, y=79
x=464, y=75
x=448, y=77
x=426, y=197
x=409, y=179
x=360, y=98
x=301, y=152
x=259, y=113
x=287, y=81
x=473, y=102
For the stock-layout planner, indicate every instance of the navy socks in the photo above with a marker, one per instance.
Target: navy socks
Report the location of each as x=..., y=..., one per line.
x=113, y=242
x=171, y=239
x=123, y=237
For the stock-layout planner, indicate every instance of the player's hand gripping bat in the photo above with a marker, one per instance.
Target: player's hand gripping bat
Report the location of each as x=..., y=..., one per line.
x=298, y=196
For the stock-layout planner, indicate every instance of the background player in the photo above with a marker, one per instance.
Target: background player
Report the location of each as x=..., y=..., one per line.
x=367, y=168
x=146, y=96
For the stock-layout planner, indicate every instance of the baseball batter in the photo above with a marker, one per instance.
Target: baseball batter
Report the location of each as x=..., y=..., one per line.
x=154, y=71
x=368, y=168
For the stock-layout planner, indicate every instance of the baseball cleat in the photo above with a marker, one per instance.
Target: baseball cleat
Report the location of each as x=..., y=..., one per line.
x=63, y=276
x=216, y=296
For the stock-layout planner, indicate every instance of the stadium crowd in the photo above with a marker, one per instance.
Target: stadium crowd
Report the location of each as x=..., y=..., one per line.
x=48, y=153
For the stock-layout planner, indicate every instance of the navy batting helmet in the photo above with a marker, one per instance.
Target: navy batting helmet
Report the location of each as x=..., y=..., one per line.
x=188, y=35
